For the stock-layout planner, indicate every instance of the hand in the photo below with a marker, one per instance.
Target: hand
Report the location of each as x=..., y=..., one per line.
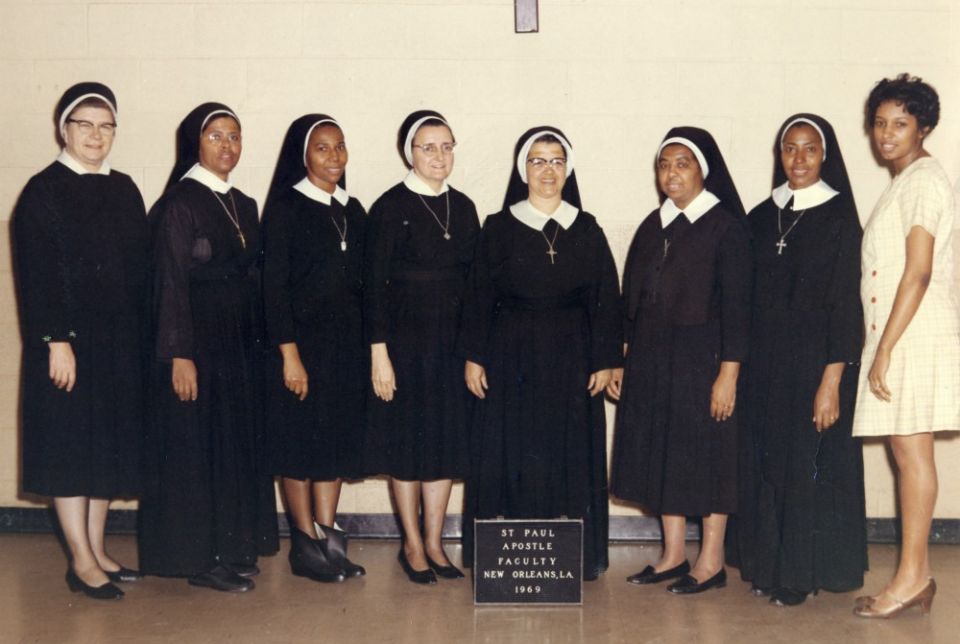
x=616, y=381
x=294, y=374
x=877, y=378
x=476, y=378
x=63, y=365
x=723, y=394
x=826, y=404
x=184, y=377
x=599, y=381
x=381, y=372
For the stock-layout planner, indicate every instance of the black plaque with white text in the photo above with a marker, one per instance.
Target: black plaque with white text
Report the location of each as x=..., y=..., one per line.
x=535, y=561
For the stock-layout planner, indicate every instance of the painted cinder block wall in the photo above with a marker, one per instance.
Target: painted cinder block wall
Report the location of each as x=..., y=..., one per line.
x=613, y=74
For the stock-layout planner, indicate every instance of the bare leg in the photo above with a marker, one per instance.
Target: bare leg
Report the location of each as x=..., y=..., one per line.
x=298, y=497
x=407, y=495
x=72, y=514
x=326, y=497
x=917, y=486
x=710, y=560
x=96, y=525
x=436, y=496
x=674, y=542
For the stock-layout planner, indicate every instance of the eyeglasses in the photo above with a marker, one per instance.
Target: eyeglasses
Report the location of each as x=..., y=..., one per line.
x=539, y=163
x=219, y=137
x=86, y=127
x=431, y=149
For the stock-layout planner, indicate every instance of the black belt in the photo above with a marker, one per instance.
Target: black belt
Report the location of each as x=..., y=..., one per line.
x=540, y=303
x=435, y=275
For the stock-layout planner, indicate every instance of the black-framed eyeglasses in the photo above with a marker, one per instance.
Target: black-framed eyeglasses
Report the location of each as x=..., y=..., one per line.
x=87, y=127
x=538, y=162
x=431, y=149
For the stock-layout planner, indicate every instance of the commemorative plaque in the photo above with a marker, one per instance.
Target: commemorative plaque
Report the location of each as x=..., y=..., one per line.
x=520, y=561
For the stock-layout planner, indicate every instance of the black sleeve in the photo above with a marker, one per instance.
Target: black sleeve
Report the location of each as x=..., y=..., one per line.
x=735, y=277
x=378, y=255
x=606, y=311
x=845, y=328
x=630, y=299
x=172, y=259
x=479, y=299
x=278, y=311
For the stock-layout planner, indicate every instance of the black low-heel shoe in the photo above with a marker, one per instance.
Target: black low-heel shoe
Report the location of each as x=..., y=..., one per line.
x=447, y=572
x=649, y=575
x=760, y=591
x=124, y=575
x=689, y=585
x=416, y=576
x=788, y=597
x=106, y=591
x=244, y=570
x=223, y=579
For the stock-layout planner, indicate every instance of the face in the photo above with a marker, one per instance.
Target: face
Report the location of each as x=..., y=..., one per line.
x=88, y=135
x=897, y=135
x=545, y=174
x=679, y=174
x=326, y=157
x=220, y=146
x=436, y=163
x=802, y=156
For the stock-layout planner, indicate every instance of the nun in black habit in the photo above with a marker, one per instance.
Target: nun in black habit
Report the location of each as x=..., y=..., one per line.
x=801, y=522
x=421, y=238
x=541, y=333
x=208, y=506
x=317, y=371
x=687, y=291
x=81, y=245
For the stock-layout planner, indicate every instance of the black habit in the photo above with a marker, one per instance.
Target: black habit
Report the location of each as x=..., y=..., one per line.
x=540, y=329
x=81, y=245
x=312, y=296
x=413, y=286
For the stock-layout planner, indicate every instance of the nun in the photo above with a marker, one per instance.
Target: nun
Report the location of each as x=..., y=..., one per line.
x=312, y=262
x=801, y=523
x=686, y=285
x=541, y=334
x=208, y=506
x=421, y=238
x=81, y=245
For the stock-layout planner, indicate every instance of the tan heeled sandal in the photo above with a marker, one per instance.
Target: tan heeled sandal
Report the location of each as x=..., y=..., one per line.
x=923, y=599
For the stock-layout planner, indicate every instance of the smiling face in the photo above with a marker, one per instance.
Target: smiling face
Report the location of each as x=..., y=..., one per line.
x=85, y=138
x=679, y=174
x=433, y=167
x=326, y=157
x=545, y=175
x=220, y=146
x=801, y=154
x=897, y=135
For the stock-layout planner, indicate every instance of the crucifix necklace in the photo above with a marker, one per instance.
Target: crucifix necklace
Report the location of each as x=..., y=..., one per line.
x=783, y=235
x=341, y=233
x=234, y=219
x=550, y=242
x=445, y=228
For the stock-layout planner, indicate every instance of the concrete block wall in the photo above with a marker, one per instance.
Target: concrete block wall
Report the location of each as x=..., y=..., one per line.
x=614, y=74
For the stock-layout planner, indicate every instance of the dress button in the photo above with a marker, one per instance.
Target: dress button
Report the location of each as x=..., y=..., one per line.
x=874, y=273
x=873, y=300
x=873, y=327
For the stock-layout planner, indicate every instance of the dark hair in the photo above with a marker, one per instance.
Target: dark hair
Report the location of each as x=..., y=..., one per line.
x=549, y=138
x=918, y=98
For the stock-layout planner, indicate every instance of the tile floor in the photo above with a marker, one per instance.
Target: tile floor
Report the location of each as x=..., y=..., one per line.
x=35, y=606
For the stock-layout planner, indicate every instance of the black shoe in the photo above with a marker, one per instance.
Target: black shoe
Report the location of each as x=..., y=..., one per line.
x=223, y=579
x=106, y=591
x=649, y=575
x=447, y=572
x=760, y=591
x=244, y=570
x=124, y=575
x=308, y=558
x=689, y=585
x=336, y=548
x=788, y=597
x=416, y=576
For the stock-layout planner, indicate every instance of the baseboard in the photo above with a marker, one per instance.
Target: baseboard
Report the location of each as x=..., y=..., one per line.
x=385, y=526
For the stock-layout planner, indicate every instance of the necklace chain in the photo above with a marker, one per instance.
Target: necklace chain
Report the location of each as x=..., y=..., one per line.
x=550, y=242
x=341, y=233
x=445, y=228
x=783, y=235
x=233, y=216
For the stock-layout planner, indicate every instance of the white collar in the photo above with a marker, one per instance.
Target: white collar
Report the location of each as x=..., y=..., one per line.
x=66, y=159
x=809, y=197
x=207, y=178
x=696, y=209
x=415, y=182
x=524, y=211
x=310, y=191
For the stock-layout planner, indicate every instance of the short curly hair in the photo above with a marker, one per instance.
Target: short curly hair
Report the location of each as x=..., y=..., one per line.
x=917, y=97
